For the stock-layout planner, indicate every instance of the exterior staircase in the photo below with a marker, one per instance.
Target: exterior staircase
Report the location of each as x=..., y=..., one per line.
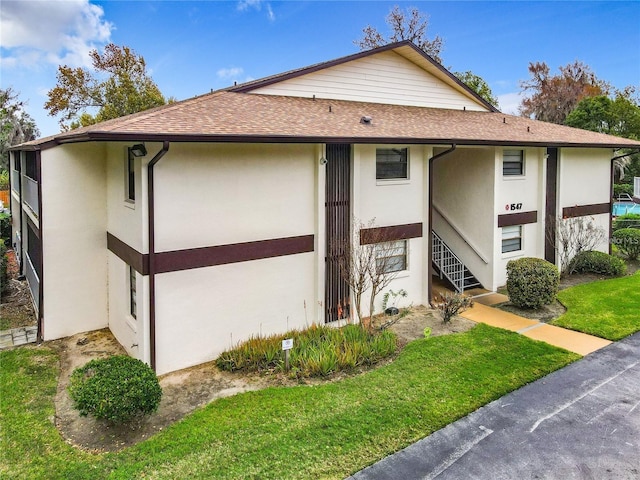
x=448, y=266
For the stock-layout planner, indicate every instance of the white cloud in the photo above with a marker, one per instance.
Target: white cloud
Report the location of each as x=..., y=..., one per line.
x=509, y=103
x=54, y=31
x=245, y=5
x=232, y=72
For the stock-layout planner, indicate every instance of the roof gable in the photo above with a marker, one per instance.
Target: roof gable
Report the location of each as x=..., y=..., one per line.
x=396, y=74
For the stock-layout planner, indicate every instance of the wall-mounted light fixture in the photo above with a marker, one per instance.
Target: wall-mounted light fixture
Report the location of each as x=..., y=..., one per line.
x=323, y=161
x=139, y=150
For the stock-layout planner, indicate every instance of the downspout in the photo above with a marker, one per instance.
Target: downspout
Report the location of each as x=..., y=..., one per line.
x=152, y=252
x=430, y=221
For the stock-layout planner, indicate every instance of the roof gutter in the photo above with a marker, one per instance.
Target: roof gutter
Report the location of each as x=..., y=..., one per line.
x=152, y=250
x=430, y=220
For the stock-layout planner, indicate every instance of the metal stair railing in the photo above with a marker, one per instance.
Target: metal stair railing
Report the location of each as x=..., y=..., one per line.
x=447, y=262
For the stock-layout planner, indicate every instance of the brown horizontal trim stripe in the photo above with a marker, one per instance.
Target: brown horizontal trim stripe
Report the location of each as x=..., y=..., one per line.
x=584, y=210
x=178, y=260
x=520, y=218
x=390, y=234
x=129, y=255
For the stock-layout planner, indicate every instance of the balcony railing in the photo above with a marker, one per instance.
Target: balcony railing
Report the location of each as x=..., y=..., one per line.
x=30, y=192
x=33, y=281
x=15, y=181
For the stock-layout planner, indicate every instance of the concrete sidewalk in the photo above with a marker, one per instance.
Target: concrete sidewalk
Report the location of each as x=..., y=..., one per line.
x=577, y=342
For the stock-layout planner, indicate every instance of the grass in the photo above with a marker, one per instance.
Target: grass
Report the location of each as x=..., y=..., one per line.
x=606, y=308
x=318, y=351
x=325, y=431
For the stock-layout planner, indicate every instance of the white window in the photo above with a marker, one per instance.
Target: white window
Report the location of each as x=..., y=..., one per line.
x=511, y=238
x=513, y=163
x=130, y=177
x=392, y=163
x=132, y=292
x=391, y=256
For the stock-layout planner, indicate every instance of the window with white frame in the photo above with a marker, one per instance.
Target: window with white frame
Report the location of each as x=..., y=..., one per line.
x=130, y=177
x=511, y=238
x=513, y=162
x=132, y=292
x=392, y=163
x=391, y=256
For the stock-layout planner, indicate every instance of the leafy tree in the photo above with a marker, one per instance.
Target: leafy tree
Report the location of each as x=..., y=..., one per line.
x=618, y=116
x=16, y=126
x=478, y=85
x=122, y=87
x=553, y=97
x=405, y=25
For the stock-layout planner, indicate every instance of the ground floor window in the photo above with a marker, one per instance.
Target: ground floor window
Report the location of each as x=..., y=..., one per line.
x=511, y=238
x=391, y=256
x=132, y=292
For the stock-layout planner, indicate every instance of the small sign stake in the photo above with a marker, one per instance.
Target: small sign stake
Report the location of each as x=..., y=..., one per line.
x=287, y=345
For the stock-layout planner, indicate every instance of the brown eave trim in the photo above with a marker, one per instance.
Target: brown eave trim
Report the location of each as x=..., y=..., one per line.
x=390, y=233
x=520, y=218
x=585, y=210
x=178, y=260
x=129, y=255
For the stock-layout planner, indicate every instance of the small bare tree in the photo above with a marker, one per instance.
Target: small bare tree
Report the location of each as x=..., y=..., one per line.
x=573, y=236
x=367, y=264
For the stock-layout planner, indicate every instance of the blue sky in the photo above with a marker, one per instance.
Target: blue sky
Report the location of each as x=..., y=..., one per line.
x=193, y=47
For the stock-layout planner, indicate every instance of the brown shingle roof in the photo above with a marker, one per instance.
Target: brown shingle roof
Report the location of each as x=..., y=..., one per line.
x=225, y=116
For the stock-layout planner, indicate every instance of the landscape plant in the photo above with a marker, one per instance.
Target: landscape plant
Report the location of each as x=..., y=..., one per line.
x=317, y=351
x=5, y=228
x=628, y=242
x=599, y=263
x=451, y=304
x=574, y=235
x=628, y=220
x=532, y=282
x=115, y=389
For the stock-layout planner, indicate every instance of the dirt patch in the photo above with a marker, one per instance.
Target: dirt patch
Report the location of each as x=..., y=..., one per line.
x=410, y=325
x=186, y=390
x=544, y=314
x=16, y=307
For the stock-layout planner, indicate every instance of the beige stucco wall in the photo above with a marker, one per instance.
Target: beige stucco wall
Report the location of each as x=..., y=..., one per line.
x=584, y=179
x=529, y=190
x=464, y=196
x=73, y=224
x=395, y=202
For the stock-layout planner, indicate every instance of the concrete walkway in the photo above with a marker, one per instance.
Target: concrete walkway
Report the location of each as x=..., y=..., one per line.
x=577, y=342
x=18, y=336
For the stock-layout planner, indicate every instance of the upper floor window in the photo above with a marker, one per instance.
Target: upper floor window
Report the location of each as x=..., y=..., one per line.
x=130, y=177
x=392, y=163
x=513, y=162
x=31, y=166
x=391, y=256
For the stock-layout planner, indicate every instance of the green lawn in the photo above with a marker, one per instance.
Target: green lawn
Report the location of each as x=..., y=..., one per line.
x=608, y=308
x=326, y=431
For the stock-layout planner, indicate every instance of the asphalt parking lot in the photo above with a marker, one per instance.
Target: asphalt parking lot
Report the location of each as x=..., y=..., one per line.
x=581, y=422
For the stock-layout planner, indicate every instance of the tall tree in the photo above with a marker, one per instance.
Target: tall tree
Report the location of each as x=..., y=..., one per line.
x=553, y=97
x=118, y=86
x=405, y=25
x=16, y=126
x=478, y=85
x=618, y=116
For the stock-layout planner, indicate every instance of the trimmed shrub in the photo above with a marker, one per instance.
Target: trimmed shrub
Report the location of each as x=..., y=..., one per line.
x=532, y=282
x=115, y=389
x=628, y=220
x=620, y=188
x=451, y=304
x=3, y=266
x=5, y=229
x=628, y=242
x=599, y=263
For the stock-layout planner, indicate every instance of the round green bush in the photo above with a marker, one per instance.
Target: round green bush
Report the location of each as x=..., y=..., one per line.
x=599, y=263
x=628, y=242
x=115, y=389
x=532, y=282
